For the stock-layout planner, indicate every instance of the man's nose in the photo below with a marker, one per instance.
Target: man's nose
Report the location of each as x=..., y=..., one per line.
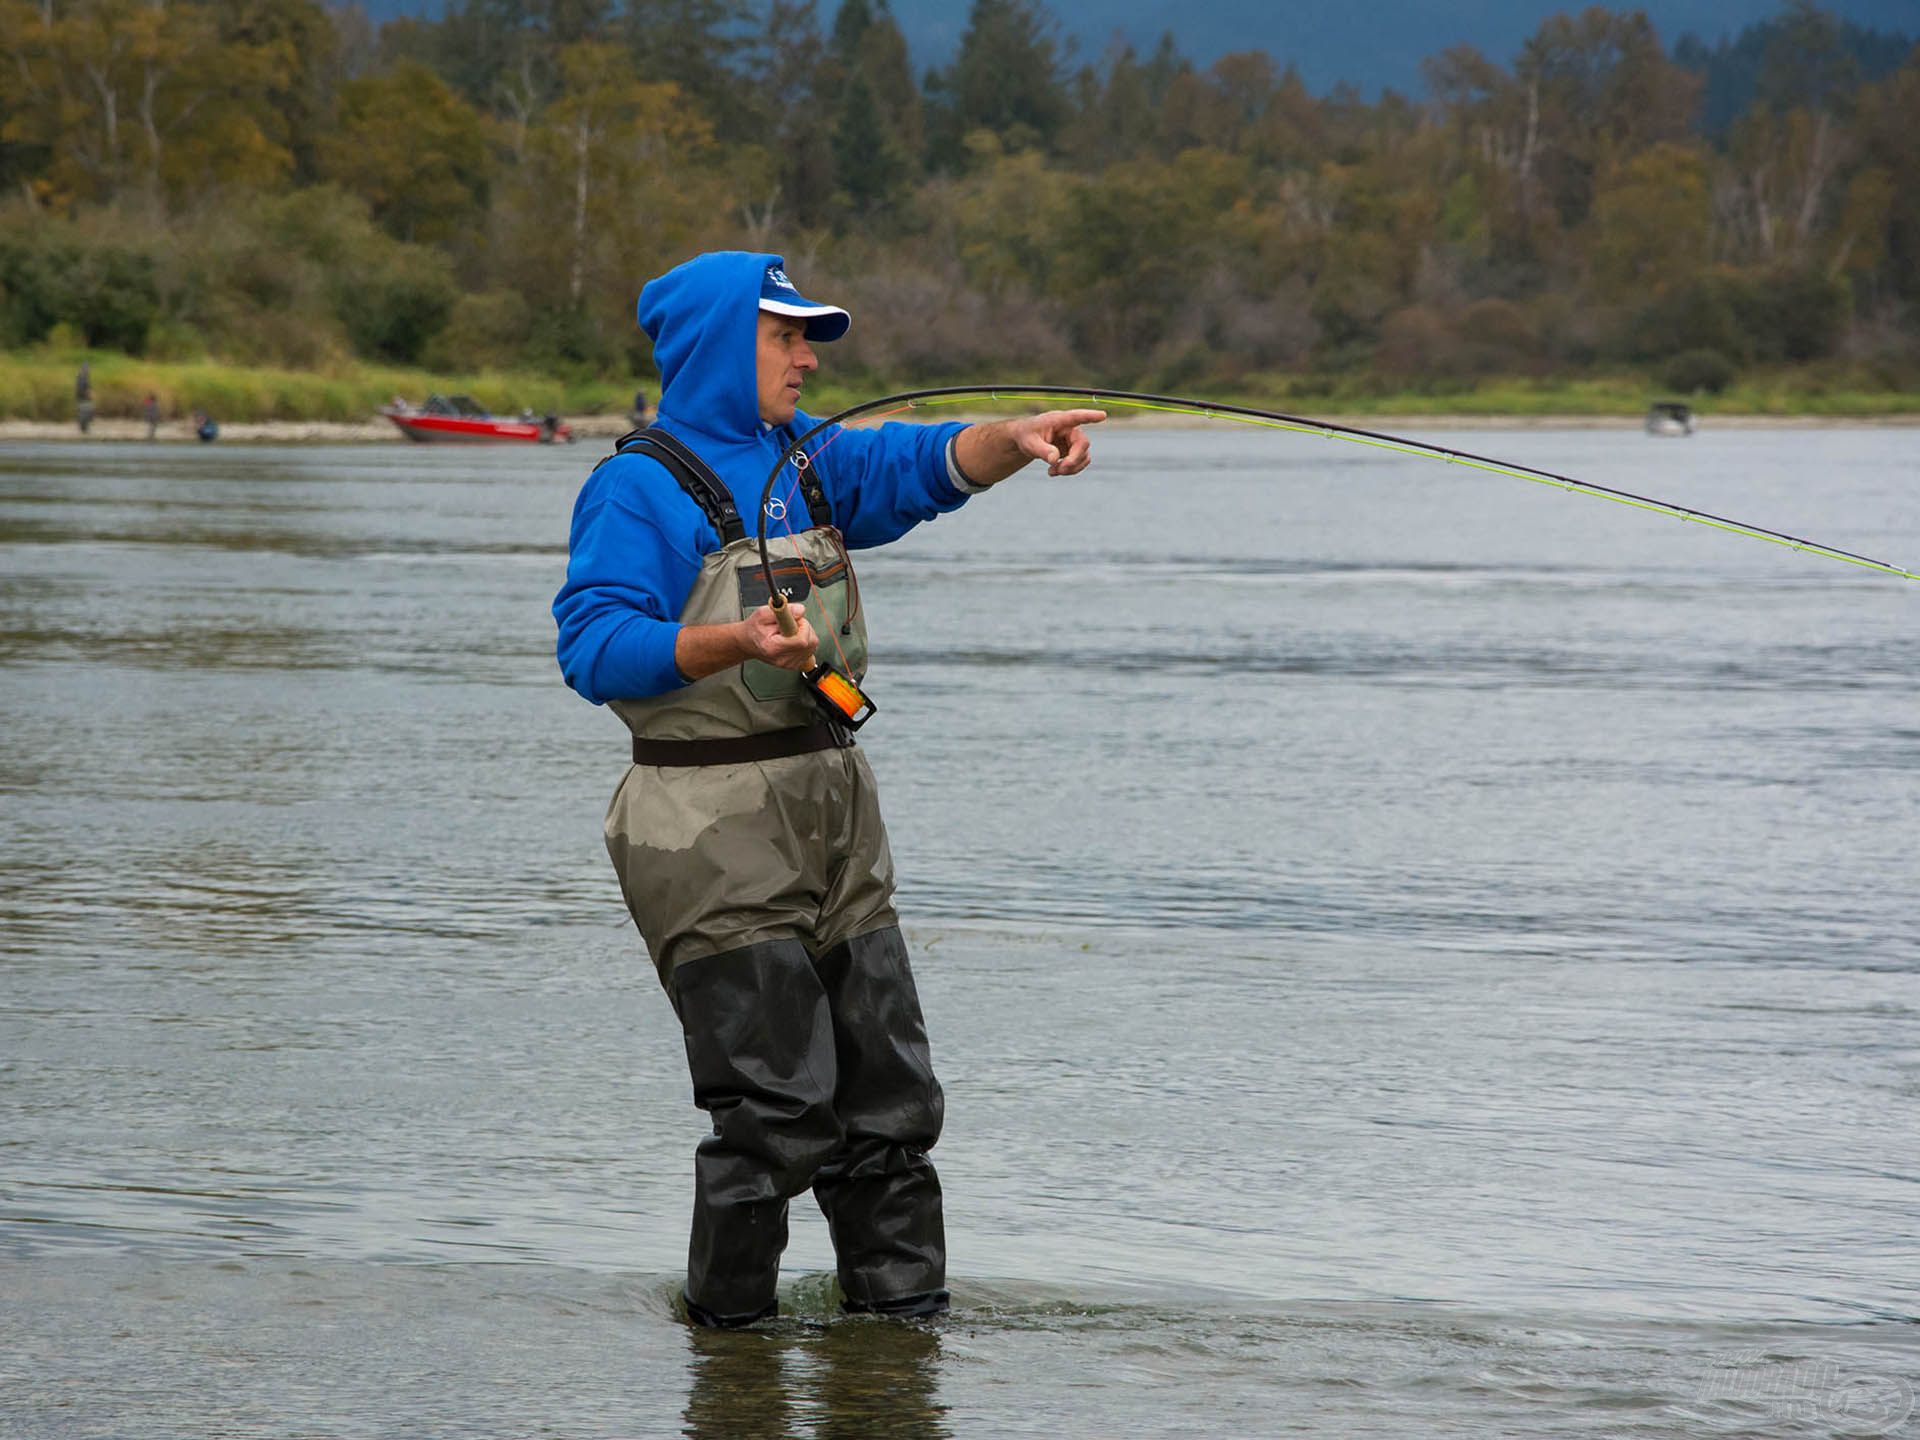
x=803, y=356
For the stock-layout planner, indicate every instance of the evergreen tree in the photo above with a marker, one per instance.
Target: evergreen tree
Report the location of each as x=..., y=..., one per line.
x=1806, y=65
x=567, y=22
x=791, y=102
x=850, y=23
x=883, y=59
x=1005, y=81
x=1114, y=116
x=1732, y=71
x=1162, y=66
x=697, y=45
x=479, y=46
x=1889, y=116
x=868, y=161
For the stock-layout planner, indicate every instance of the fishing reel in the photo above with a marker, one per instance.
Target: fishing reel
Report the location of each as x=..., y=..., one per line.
x=843, y=701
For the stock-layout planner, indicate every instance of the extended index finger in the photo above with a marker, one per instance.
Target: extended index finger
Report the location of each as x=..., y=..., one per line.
x=1076, y=417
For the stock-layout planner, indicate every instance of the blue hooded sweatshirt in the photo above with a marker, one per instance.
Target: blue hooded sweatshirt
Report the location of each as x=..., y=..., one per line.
x=637, y=539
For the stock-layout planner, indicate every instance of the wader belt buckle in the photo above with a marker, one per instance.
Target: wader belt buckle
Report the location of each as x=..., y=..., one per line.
x=741, y=749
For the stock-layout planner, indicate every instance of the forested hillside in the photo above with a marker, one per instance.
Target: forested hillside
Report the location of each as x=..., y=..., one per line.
x=270, y=182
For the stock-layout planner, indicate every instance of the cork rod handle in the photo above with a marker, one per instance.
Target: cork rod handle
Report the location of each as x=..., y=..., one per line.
x=784, y=618
x=782, y=615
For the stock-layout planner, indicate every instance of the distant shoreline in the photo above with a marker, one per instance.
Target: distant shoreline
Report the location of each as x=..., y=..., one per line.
x=611, y=427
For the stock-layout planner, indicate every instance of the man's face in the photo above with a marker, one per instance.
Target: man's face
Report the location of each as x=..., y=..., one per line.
x=783, y=359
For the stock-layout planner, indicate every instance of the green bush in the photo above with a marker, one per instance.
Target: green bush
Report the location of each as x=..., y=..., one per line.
x=1187, y=368
x=104, y=287
x=1499, y=336
x=1755, y=317
x=174, y=340
x=568, y=343
x=488, y=330
x=26, y=290
x=1806, y=312
x=37, y=391
x=392, y=309
x=111, y=295
x=1698, y=372
x=1706, y=312
x=324, y=253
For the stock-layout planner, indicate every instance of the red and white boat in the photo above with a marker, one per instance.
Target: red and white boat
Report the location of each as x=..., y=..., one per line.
x=458, y=418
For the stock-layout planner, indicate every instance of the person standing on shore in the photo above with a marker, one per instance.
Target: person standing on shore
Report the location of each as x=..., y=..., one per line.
x=150, y=412
x=747, y=834
x=83, y=397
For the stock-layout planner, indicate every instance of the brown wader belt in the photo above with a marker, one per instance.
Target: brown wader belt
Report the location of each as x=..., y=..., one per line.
x=739, y=749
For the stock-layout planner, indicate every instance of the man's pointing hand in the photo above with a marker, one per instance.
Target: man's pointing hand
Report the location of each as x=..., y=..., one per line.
x=1056, y=437
x=988, y=453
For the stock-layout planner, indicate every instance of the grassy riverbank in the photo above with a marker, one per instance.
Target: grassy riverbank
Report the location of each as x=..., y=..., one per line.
x=38, y=385
x=1783, y=393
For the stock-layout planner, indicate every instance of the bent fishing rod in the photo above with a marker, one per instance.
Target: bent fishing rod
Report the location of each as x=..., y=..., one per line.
x=842, y=698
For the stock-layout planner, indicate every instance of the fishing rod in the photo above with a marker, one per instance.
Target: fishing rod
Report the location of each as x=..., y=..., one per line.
x=838, y=693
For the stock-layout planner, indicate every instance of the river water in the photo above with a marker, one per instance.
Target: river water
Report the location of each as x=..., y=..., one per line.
x=1409, y=952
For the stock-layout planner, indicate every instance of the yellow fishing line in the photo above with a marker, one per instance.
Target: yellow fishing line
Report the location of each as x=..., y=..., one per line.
x=1420, y=451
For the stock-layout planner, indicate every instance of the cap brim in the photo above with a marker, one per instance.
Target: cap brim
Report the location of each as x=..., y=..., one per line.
x=824, y=322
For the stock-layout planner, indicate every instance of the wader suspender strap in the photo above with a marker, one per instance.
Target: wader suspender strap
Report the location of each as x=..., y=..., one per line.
x=704, y=488
x=694, y=475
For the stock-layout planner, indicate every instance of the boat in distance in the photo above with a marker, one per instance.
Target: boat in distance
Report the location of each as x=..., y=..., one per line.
x=1670, y=417
x=458, y=419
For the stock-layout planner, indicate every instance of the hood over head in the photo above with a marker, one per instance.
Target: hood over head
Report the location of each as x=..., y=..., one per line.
x=703, y=319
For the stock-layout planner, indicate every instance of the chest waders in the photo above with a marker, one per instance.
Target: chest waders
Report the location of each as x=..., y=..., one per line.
x=750, y=850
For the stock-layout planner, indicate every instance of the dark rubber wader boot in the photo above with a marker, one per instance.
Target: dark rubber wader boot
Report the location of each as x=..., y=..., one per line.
x=750, y=849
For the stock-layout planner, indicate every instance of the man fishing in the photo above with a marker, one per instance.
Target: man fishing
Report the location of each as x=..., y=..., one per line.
x=747, y=835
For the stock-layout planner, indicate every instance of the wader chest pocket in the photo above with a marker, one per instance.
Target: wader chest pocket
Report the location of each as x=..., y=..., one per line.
x=832, y=605
x=794, y=577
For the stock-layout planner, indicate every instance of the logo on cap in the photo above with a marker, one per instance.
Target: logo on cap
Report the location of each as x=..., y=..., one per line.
x=777, y=276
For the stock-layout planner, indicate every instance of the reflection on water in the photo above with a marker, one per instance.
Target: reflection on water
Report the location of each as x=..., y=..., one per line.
x=1407, y=955
x=852, y=1380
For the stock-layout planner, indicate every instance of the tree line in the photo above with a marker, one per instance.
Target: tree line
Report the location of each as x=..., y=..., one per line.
x=271, y=181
